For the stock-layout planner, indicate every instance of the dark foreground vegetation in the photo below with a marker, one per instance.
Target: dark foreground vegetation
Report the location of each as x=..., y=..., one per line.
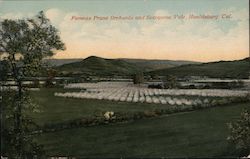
x=200, y=133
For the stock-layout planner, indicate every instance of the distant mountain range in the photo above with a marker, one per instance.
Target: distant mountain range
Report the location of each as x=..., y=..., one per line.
x=59, y=62
x=150, y=65
x=108, y=67
x=220, y=69
x=100, y=66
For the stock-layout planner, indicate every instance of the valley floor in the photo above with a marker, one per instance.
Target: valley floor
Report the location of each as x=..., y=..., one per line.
x=200, y=133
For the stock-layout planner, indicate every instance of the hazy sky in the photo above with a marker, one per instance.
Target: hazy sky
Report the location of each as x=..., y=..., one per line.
x=174, y=39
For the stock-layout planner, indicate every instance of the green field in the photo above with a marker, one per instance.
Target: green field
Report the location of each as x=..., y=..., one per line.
x=198, y=133
x=58, y=109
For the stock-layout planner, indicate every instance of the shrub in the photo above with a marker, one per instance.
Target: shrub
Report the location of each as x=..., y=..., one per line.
x=240, y=132
x=150, y=113
x=138, y=78
x=157, y=86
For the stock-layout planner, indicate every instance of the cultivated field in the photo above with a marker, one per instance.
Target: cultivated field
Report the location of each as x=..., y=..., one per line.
x=127, y=92
x=200, y=132
x=197, y=133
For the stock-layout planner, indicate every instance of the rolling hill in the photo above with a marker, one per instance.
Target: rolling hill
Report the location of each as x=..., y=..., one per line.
x=220, y=69
x=123, y=67
x=99, y=66
x=150, y=65
x=59, y=62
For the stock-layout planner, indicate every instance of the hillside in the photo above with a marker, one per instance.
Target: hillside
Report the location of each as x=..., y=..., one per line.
x=59, y=62
x=221, y=69
x=150, y=65
x=99, y=66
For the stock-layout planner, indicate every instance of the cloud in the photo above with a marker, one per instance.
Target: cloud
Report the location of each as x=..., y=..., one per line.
x=198, y=40
x=176, y=39
x=55, y=15
x=14, y=16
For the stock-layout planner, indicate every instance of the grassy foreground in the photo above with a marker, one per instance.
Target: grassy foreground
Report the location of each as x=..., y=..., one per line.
x=59, y=109
x=195, y=134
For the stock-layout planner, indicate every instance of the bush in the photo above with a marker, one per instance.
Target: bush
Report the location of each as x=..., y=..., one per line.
x=157, y=86
x=171, y=82
x=36, y=83
x=138, y=78
x=240, y=133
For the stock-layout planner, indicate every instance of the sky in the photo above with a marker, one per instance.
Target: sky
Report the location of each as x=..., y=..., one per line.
x=178, y=38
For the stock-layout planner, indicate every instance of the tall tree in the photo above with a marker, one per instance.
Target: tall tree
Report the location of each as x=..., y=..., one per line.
x=23, y=45
x=170, y=82
x=138, y=78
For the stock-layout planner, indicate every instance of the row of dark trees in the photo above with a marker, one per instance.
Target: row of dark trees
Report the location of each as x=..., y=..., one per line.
x=168, y=82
